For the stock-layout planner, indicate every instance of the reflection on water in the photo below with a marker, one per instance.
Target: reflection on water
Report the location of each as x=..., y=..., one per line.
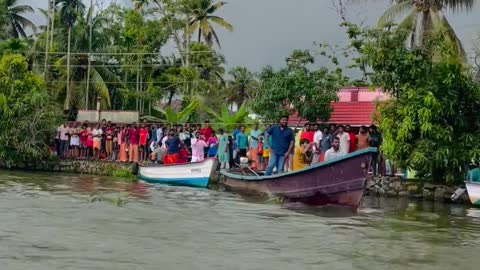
x=83, y=222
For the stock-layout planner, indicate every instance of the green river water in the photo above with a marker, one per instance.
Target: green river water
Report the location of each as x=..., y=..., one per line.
x=52, y=222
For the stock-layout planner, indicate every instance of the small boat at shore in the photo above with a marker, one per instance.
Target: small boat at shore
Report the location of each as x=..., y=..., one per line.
x=473, y=190
x=339, y=182
x=194, y=174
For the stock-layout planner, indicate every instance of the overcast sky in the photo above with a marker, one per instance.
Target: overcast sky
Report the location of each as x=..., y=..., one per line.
x=266, y=31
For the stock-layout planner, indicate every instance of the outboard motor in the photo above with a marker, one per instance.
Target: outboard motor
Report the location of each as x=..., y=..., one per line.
x=244, y=163
x=459, y=192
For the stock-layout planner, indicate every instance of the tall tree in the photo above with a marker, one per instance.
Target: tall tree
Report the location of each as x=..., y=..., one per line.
x=432, y=123
x=203, y=18
x=297, y=89
x=242, y=85
x=15, y=22
x=425, y=17
x=102, y=74
x=25, y=105
x=70, y=10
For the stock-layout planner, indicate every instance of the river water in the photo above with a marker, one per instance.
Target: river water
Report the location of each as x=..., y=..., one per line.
x=84, y=222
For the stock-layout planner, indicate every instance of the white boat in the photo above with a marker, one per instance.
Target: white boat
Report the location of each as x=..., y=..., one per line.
x=195, y=174
x=473, y=190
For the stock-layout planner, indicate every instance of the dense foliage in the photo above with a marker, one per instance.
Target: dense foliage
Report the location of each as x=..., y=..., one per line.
x=432, y=124
x=298, y=89
x=27, y=116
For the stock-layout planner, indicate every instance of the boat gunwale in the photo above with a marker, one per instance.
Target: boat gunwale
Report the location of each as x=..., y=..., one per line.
x=368, y=150
x=177, y=164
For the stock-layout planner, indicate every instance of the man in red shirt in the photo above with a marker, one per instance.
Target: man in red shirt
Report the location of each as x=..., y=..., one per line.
x=207, y=130
x=143, y=138
x=352, y=136
x=133, y=138
x=207, y=133
x=307, y=133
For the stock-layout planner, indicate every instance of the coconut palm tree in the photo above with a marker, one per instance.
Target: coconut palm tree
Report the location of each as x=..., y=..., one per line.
x=424, y=17
x=102, y=74
x=242, y=85
x=15, y=22
x=70, y=11
x=202, y=20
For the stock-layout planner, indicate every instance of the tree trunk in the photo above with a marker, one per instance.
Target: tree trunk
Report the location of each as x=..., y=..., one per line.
x=170, y=97
x=67, y=99
x=199, y=34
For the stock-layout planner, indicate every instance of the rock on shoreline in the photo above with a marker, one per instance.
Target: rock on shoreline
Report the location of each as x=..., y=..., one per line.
x=397, y=187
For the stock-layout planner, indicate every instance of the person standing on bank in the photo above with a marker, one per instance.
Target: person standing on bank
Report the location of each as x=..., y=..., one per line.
x=283, y=141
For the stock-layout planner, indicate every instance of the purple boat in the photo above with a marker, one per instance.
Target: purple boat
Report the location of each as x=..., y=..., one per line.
x=339, y=182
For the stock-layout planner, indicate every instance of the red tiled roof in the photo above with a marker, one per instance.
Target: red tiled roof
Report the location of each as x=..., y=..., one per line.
x=345, y=113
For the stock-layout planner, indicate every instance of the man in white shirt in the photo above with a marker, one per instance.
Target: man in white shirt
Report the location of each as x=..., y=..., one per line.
x=317, y=139
x=97, y=141
x=63, y=132
x=344, y=139
x=334, y=152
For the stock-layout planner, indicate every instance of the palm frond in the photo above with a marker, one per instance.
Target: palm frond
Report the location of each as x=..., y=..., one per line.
x=221, y=22
x=170, y=115
x=99, y=85
x=184, y=114
x=213, y=114
x=440, y=21
x=21, y=9
x=408, y=21
x=394, y=12
x=215, y=7
x=24, y=22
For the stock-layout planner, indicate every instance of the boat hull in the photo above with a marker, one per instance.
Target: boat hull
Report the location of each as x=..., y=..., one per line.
x=337, y=182
x=195, y=174
x=473, y=190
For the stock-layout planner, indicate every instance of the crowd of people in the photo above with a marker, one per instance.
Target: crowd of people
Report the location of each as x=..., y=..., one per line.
x=266, y=149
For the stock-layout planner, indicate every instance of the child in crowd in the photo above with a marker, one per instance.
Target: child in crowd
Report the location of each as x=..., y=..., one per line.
x=212, y=145
x=260, y=161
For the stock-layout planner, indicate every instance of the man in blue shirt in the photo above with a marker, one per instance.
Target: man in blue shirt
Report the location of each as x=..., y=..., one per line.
x=236, y=156
x=282, y=144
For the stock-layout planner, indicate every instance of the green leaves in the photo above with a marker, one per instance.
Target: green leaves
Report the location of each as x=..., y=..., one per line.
x=27, y=116
x=182, y=116
x=432, y=123
x=227, y=120
x=297, y=89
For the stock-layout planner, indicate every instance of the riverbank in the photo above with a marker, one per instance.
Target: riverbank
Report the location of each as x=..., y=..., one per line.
x=395, y=187
x=92, y=167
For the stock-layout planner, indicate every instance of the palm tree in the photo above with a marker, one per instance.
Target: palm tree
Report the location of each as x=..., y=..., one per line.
x=425, y=17
x=15, y=22
x=101, y=71
x=202, y=20
x=70, y=11
x=242, y=85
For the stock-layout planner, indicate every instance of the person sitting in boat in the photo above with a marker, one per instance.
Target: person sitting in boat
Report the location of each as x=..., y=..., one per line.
x=303, y=155
x=173, y=144
x=157, y=152
x=183, y=154
x=334, y=152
